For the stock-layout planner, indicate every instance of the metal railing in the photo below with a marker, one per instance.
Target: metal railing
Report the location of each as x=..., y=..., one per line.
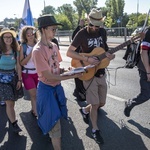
x=112, y=33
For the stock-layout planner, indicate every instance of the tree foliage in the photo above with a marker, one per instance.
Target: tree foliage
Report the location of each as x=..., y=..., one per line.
x=63, y=20
x=48, y=10
x=115, y=9
x=69, y=16
x=84, y=6
x=68, y=11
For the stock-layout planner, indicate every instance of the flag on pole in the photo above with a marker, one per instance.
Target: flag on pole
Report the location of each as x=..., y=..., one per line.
x=27, y=15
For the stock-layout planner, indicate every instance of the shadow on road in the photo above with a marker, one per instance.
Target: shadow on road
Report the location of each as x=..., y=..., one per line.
x=14, y=141
x=145, y=131
x=116, y=136
x=70, y=139
x=38, y=140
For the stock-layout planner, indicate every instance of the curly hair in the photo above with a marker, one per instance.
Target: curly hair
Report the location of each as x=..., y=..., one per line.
x=24, y=31
x=14, y=44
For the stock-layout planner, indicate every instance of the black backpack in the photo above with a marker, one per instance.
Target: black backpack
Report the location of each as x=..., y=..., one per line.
x=132, y=55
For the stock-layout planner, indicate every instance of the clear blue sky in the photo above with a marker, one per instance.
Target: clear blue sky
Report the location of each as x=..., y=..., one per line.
x=12, y=9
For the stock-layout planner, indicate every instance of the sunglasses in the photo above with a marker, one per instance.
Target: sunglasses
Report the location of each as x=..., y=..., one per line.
x=52, y=29
x=30, y=34
x=91, y=25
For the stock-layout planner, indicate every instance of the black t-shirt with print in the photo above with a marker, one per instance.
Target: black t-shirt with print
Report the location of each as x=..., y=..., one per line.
x=88, y=42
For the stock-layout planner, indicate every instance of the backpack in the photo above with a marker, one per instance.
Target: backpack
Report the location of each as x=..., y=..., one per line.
x=24, y=45
x=132, y=55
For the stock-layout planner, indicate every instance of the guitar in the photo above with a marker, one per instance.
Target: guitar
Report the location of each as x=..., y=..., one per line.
x=100, y=54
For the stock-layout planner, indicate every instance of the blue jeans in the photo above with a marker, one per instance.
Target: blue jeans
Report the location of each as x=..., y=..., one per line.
x=144, y=95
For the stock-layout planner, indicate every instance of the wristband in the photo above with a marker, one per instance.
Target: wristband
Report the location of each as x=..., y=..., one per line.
x=19, y=80
x=147, y=73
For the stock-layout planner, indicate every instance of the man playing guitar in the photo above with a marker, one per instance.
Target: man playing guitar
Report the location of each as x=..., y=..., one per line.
x=88, y=38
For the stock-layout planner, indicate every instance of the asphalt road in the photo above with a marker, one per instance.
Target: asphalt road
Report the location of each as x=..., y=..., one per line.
x=119, y=132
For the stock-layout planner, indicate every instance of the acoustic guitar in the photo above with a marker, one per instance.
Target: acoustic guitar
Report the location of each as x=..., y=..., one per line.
x=100, y=54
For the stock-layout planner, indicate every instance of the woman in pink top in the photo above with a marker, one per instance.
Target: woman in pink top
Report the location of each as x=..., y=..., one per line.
x=29, y=74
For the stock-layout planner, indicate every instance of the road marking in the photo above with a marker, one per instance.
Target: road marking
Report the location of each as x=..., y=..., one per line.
x=116, y=98
x=109, y=95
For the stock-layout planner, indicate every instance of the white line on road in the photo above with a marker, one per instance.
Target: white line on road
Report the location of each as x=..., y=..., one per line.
x=109, y=95
x=116, y=98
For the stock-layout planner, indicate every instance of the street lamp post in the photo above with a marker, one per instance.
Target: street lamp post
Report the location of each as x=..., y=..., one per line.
x=118, y=21
x=137, y=11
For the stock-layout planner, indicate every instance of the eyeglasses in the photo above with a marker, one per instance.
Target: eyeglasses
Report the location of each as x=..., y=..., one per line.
x=7, y=37
x=91, y=25
x=52, y=29
x=29, y=34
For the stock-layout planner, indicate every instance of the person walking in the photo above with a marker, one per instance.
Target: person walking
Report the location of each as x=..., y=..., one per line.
x=29, y=74
x=96, y=88
x=9, y=67
x=51, y=101
x=144, y=73
x=79, y=91
x=2, y=103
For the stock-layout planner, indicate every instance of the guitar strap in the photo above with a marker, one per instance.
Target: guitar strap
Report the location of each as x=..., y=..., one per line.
x=103, y=34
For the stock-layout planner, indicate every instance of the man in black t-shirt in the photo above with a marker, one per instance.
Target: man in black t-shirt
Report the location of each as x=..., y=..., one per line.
x=144, y=73
x=90, y=37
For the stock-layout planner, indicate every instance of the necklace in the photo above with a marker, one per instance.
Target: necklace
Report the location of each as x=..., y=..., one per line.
x=48, y=45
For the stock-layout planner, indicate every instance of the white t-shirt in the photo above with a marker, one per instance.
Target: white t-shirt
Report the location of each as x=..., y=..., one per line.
x=30, y=63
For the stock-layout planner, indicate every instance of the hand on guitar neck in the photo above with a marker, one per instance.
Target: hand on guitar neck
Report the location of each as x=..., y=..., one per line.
x=110, y=56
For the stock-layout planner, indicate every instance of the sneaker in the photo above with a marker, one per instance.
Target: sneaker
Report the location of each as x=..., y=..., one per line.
x=2, y=103
x=128, y=107
x=16, y=128
x=97, y=137
x=85, y=116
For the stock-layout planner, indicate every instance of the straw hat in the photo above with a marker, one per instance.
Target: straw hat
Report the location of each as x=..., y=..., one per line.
x=96, y=18
x=7, y=30
x=47, y=20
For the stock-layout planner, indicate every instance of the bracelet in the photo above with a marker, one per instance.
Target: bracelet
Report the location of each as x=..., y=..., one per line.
x=147, y=73
x=19, y=80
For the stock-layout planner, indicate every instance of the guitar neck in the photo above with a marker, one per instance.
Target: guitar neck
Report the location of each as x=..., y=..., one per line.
x=119, y=47
x=113, y=50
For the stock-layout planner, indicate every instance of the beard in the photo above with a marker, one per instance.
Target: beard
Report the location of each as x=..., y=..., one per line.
x=92, y=32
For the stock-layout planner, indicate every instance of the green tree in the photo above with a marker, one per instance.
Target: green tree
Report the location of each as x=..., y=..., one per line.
x=48, y=10
x=132, y=22
x=84, y=6
x=63, y=19
x=67, y=10
x=79, y=8
x=115, y=9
